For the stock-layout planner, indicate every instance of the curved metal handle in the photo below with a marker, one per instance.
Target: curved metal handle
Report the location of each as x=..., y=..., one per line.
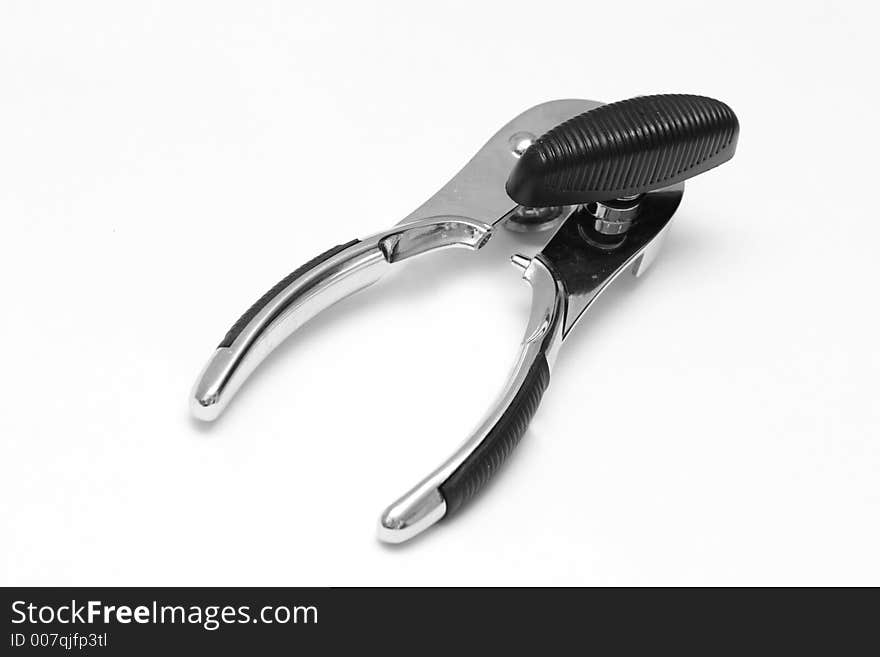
x=270, y=296
x=289, y=304
x=317, y=285
x=463, y=474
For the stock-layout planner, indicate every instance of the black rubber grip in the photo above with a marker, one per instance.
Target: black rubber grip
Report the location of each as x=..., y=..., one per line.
x=479, y=467
x=251, y=312
x=629, y=147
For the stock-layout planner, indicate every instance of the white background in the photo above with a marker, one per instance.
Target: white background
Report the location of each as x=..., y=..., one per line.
x=163, y=163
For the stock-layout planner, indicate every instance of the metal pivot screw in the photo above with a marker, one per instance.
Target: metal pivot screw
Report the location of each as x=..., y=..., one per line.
x=520, y=142
x=525, y=219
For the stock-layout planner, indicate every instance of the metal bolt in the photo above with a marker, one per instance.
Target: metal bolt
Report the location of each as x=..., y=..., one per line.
x=520, y=142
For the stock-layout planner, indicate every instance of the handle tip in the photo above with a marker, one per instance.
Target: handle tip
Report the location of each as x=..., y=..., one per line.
x=210, y=393
x=411, y=515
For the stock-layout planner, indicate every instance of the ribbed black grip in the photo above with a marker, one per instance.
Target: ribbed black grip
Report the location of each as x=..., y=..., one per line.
x=629, y=147
x=251, y=312
x=479, y=467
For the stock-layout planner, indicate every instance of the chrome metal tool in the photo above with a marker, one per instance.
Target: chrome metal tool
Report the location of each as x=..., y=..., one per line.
x=606, y=179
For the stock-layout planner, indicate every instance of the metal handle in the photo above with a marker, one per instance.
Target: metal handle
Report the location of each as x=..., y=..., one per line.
x=312, y=288
x=290, y=303
x=463, y=474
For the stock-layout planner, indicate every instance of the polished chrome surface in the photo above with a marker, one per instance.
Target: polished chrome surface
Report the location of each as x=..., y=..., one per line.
x=615, y=217
x=558, y=301
x=527, y=220
x=556, y=307
x=477, y=191
x=353, y=269
x=520, y=142
x=461, y=214
x=566, y=277
x=411, y=515
x=420, y=507
x=520, y=261
x=537, y=220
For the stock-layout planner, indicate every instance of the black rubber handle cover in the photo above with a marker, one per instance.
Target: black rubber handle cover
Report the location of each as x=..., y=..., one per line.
x=258, y=305
x=484, y=461
x=624, y=148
